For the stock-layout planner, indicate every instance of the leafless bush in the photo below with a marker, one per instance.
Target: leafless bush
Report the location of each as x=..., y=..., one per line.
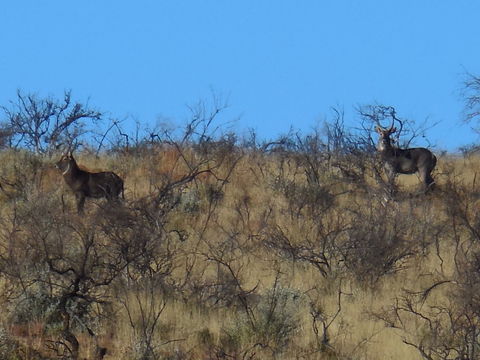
x=313, y=241
x=379, y=241
x=444, y=329
x=144, y=305
x=471, y=95
x=43, y=124
x=6, y=134
x=366, y=240
x=469, y=150
x=312, y=199
x=79, y=260
x=268, y=328
x=441, y=318
x=323, y=319
x=22, y=175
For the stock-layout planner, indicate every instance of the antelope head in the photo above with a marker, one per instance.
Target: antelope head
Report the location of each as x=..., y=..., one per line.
x=65, y=162
x=385, y=142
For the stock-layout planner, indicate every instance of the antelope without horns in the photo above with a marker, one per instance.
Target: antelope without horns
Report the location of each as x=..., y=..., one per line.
x=86, y=184
x=405, y=161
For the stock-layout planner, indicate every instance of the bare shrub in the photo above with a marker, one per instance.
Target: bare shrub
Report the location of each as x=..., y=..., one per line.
x=323, y=318
x=311, y=199
x=437, y=329
x=440, y=317
x=43, y=124
x=78, y=261
x=315, y=247
x=380, y=240
x=269, y=327
x=144, y=306
x=471, y=95
x=23, y=175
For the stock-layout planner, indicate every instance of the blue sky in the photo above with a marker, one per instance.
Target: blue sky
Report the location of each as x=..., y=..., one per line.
x=281, y=63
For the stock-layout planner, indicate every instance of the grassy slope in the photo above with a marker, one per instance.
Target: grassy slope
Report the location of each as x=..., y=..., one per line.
x=248, y=196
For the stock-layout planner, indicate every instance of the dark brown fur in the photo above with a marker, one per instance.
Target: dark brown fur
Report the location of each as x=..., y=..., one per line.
x=86, y=184
x=405, y=161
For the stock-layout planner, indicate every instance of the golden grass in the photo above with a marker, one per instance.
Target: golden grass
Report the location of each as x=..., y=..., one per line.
x=248, y=196
x=355, y=333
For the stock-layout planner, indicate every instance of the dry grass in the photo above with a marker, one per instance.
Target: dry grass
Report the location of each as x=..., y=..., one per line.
x=250, y=205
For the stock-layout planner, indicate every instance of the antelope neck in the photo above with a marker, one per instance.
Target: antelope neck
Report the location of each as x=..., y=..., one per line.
x=384, y=146
x=71, y=168
x=68, y=169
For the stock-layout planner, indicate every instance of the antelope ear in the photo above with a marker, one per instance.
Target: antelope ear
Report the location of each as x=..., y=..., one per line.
x=393, y=130
x=378, y=129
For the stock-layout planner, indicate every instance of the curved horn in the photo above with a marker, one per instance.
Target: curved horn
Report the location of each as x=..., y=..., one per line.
x=392, y=129
x=394, y=118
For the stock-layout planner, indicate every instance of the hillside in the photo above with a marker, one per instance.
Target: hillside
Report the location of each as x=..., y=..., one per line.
x=229, y=252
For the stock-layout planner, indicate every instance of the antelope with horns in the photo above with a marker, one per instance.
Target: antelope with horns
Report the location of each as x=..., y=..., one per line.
x=404, y=161
x=86, y=184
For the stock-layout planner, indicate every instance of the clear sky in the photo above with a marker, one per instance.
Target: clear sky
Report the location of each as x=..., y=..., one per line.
x=281, y=63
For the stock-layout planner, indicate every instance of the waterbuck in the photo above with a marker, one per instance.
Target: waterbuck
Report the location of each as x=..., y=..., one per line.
x=405, y=161
x=86, y=184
